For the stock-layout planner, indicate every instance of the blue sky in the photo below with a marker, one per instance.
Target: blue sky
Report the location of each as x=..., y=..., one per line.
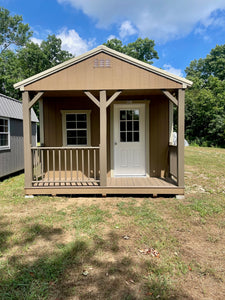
x=183, y=30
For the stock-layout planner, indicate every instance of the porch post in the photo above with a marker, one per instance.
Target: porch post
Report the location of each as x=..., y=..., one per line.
x=170, y=123
x=180, y=138
x=103, y=139
x=41, y=122
x=27, y=140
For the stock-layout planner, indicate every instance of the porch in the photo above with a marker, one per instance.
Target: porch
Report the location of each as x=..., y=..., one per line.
x=76, y=170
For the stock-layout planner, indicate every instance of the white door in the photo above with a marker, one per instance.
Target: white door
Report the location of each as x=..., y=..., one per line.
x=129, y=140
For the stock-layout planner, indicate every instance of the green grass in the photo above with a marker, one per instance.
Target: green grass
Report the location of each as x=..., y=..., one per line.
x=47, y=242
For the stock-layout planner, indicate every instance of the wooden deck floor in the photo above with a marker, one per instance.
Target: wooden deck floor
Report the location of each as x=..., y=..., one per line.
x=122, y=185
x=139, y=182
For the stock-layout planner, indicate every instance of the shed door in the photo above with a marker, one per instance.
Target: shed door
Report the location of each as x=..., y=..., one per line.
x=129, y=140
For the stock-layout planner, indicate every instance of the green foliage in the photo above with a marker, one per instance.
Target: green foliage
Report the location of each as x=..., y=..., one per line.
x=54, y=55
x=19, y=63
x=34, y=59
x=12, y=30
x=205, y=101
x=142, y=49
x=9, y=73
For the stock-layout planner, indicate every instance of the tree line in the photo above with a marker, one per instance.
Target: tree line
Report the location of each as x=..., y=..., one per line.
x=21, y=58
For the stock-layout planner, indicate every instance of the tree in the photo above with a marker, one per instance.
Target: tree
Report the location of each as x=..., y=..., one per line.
x=34, y=59
x=205, y=101
x=9, y=71
x=12, y=30
x=142, y=49
x=53, y=52
x=28, y=61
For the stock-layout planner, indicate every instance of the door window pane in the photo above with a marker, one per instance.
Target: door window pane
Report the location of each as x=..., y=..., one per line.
x=122, y=126
x=129, y=137
x=123, y=136
x=129, y=125
x=136, y=136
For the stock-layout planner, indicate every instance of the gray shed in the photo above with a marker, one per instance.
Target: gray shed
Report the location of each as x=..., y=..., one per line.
x=11, y=135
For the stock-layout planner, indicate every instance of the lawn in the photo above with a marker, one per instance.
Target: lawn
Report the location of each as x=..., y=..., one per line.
x=101, y=248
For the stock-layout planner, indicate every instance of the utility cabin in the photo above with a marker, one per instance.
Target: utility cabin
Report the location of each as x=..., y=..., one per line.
x=11, y=135
x=106, y=122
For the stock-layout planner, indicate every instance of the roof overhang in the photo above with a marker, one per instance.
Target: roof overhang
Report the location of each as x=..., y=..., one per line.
x=103, y=49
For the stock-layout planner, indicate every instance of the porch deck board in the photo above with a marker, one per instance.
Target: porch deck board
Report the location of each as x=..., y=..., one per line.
x=139, y=182
x=57, y=184
x=63, y=180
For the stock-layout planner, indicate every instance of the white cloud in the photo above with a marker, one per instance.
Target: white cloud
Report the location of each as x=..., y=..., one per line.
x=160, y=20
x=111, y=37
x=72, y=42
x=36, y=41
x=126, y=29
x=172, y=70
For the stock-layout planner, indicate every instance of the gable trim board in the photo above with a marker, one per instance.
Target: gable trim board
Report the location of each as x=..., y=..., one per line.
x=115, y=54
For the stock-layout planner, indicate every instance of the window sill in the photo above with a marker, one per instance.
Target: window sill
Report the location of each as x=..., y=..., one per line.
x=4, y=148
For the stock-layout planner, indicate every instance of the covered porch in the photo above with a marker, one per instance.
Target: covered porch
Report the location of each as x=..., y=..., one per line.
x=82, y=175
x=109, y=132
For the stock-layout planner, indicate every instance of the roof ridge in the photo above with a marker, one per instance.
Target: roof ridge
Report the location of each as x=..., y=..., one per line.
x=10, y=98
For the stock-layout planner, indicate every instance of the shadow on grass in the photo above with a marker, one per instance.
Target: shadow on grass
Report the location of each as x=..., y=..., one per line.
x=4, y=235
x=39, y=230
x=61, y=275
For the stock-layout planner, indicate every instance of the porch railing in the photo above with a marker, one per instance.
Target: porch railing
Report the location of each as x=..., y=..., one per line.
x=173, y=160
x=65, y=165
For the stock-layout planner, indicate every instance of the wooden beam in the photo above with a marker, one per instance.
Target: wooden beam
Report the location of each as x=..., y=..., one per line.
x=180, y=138
x=170, y=96
x=43, y=190
x=92, y=97
x=170, y=123
x=113, y=97
x=27, y=140
x=35, y=99
x=103, y=139
x=41, y=121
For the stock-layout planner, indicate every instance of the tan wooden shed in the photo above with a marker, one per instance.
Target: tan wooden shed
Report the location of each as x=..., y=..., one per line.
x=106, y=121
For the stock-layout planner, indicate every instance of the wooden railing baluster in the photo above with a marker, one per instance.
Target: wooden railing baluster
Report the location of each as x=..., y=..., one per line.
x=59, y=165
x=48, y=168
x=71, y=165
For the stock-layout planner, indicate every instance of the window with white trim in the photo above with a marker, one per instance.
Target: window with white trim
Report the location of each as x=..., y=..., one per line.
x=4, y=133
x=76, y=125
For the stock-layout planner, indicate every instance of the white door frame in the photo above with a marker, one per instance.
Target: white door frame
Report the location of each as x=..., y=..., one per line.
x=126, y=104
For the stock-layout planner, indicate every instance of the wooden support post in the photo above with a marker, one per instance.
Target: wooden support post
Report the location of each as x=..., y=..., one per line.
x=180, y=138
x=103, y=139
x=41, y=121
x=170, y=122
x=27, y=140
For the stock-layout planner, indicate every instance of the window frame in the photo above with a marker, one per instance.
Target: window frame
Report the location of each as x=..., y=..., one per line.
x=6, y=133
x=64, y=130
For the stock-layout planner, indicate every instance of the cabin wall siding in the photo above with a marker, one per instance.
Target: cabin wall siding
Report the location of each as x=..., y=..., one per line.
x=12, y=160
x=159, y=136
x=85, y=76
x=53, y=119
x=158, y=127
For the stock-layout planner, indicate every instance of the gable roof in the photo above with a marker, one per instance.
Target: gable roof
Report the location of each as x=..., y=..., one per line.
x=12, y=108
x=103, y=49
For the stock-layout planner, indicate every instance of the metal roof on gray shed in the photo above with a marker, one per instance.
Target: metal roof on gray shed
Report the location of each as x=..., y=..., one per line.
x=12, y=108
